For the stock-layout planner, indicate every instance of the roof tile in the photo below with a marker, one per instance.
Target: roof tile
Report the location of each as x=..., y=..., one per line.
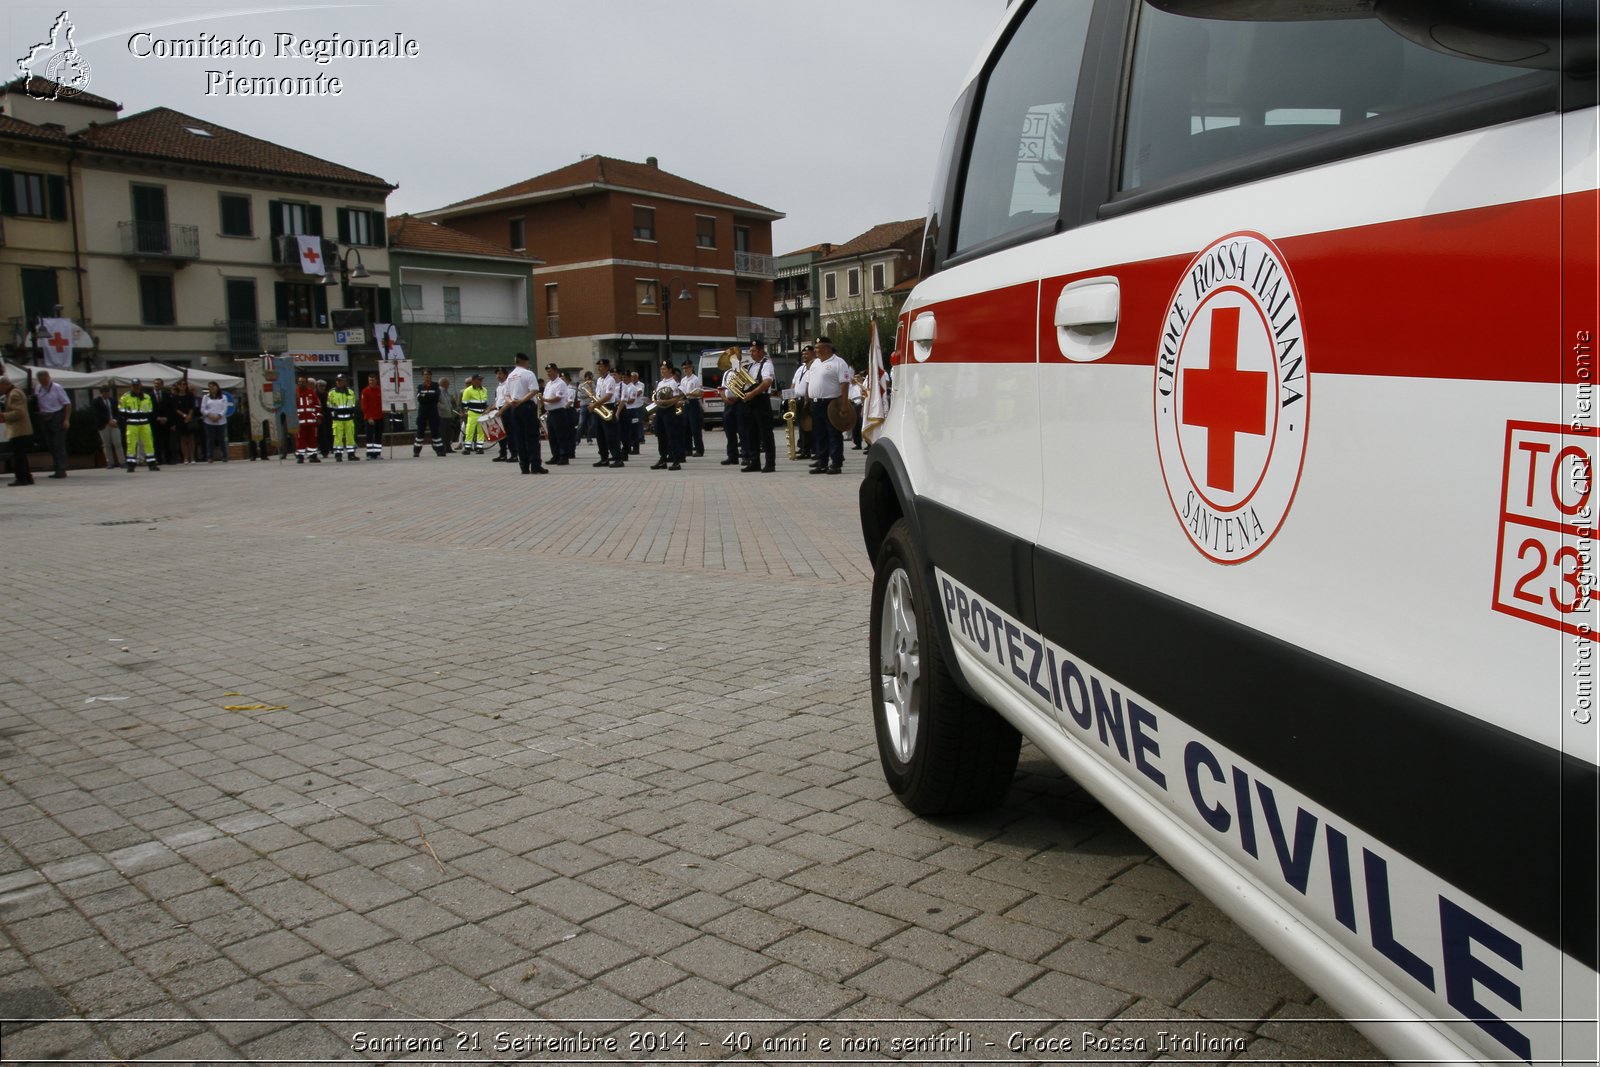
x=407, y=232
x=603, y=170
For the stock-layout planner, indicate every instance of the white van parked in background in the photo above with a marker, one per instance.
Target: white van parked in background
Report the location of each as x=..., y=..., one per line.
x=1240, y=457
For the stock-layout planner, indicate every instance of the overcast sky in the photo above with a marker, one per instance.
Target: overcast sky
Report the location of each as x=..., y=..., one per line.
x=830, y=111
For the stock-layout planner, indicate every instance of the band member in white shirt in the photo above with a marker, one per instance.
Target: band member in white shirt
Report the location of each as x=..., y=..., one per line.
x=508, y=451
x=805, y=438
x=858, y=397
x=522, y=413
x=608, y=393
x=556, y=411
x=694, y=443
x=758, y=413
x=668, y=420
x=830, y=378
x=634, y=398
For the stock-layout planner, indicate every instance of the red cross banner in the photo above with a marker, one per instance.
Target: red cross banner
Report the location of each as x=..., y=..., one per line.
x=55, y=342
x=311, y=254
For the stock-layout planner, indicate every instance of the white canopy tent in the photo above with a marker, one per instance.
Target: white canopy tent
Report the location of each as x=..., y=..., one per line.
x=123, y=376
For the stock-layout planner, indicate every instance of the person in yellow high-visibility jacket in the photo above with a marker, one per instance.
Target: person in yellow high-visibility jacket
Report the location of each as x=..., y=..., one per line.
x=138, y=412
x=475, y=399
x=342, y=405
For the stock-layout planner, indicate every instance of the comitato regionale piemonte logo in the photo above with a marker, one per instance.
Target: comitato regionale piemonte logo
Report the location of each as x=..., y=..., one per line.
x=57, y=61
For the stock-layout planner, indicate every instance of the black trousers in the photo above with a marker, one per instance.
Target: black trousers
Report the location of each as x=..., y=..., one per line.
x=694, y=419
x=525, y=428
x=670, y=427
x=20, y=471
x=609, y=435
x=758, y=432
x=733, y=427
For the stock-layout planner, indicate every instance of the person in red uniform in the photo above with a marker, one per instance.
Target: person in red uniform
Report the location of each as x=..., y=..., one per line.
x=372, y=415
x=309, y=406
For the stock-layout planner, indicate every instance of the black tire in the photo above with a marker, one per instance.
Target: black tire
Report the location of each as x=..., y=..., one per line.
x=942, y=752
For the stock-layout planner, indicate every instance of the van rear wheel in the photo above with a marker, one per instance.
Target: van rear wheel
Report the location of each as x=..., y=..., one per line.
x=942, y=752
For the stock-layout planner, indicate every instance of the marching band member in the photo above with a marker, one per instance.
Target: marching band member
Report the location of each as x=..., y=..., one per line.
x=733, y=416
x=633, y=395
x=522, y=412
x=669, y=420
x=830, y=378
x=758, y=413
x=694, y=442
x=608, y=393
x=858, y=398
x=808, y=355
x=508, y=452
x=556, y=410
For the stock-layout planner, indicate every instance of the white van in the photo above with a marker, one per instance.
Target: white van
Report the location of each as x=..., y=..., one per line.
x=1240, y=458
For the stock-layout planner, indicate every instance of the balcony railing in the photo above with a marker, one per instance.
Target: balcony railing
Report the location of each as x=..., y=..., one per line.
x=162, y=240
x=247, y=335
x=553, y=325
x=753, y=263
x=440, y=318
x=794, y=302
x=746, y=326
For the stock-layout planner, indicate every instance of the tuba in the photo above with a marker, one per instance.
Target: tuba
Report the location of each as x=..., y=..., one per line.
x=602, y=412
x=736, y=373
x=665, y=397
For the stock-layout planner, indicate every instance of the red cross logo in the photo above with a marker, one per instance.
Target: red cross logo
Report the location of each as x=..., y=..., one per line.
x=309, y=255
x=59, y=343
x=1224, y=400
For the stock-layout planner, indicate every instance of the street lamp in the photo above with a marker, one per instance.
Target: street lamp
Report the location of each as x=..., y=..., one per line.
x=666, y=308
x=346, y=272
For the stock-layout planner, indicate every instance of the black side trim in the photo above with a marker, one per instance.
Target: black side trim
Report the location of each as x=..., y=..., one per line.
x=991, y=561
x=1506, y=819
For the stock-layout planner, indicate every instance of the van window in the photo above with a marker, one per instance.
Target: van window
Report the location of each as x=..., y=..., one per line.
x=1206, y=91
x=1014, y=170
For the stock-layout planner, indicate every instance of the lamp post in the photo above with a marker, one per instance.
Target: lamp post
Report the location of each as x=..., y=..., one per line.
x=341, y=260
x=666, y=308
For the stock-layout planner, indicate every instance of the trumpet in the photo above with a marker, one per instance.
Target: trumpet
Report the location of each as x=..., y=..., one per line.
x=600, y=410
x=736, y=377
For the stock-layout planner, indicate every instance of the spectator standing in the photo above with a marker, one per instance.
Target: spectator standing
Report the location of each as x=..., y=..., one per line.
x=108, y=423
x=20, y=429
x=55, y=415
x=214, y=422
x=161, y=407
x=182, y=425
x=372, y=415
x=447, y=415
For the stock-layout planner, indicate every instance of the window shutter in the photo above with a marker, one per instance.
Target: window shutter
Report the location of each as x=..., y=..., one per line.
x=275, y=218
x=8, y=192
x=343, y=214
x=56, y=195
x=380, y=230
x=319, y=300
x=385, y=306
x=280, y=297
x=314, y=218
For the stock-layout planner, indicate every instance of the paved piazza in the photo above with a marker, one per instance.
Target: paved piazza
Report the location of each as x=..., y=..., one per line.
x=423, y=759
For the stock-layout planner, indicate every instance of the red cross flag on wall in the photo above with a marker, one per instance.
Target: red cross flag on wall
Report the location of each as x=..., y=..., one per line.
x=55, y=342
x=311, y=254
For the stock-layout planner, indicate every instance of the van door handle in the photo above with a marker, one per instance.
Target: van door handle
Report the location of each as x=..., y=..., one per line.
x=1086, y=318
x=923, y=331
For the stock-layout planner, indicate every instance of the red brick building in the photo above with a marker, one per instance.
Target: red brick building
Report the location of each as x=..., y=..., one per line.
x=614, y=235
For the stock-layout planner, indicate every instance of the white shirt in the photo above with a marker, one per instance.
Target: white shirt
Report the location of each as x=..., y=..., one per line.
x=855, y=392
x=605, y=389
x=690, y=384
x=555, y=395
x=633, y=394
x=800, y=377
x=572, y=392
x=827, y=376
x=520, y=383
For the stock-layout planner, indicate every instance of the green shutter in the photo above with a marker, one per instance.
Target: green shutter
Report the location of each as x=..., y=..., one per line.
x=385, y=306
x=344, y=225
x=314, y=219
x=280, y=298
x=8, y=192
x=56, y=197
x=275, y=219
x=380, y=230
x=319, y=301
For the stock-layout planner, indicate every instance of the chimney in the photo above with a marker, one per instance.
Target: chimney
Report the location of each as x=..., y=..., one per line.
x=650, y=161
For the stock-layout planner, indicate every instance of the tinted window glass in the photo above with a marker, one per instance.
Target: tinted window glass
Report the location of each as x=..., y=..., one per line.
x=1014, y=171
x=1206, y=91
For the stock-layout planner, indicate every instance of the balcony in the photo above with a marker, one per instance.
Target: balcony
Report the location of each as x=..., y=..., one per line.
x=754, y=264
x=249, y=336
x=751, y=326
x=446, y=318
x=794, y=302
x=552, y=325
x=159, y=240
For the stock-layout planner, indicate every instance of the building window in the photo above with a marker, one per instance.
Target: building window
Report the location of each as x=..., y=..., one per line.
x=644, y=297
x=236, y=216
x=644, y=223
x=877, y=277
x=373, y=302
x=741, y=238
x=452, y=303
x=518, y=234
x=289, y=219
x=705, y=231
x=830, y=286
x=358, y=226
x=35, y=196
x=552, y=299
x=301, y=306
x=708, y=301
x=853, y=281
x=40, y=294
x=155, y=300
x=411, y=297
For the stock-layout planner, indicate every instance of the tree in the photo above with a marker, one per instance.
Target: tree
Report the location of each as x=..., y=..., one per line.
x=850, y=330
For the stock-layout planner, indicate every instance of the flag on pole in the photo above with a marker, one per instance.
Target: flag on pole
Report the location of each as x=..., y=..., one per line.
x=311, y=254
x=877, y=398
x=55, y=342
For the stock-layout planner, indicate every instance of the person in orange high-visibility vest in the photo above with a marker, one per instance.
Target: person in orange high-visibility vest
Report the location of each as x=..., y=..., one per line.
x=309, y=407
